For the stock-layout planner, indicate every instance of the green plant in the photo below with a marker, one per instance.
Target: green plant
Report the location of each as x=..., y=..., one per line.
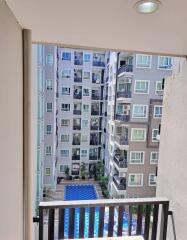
x=66, y=171
x=83, y=171
x=99, y=170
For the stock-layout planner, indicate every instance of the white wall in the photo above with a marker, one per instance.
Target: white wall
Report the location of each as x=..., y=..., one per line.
x=172, y=172
x=11, y=124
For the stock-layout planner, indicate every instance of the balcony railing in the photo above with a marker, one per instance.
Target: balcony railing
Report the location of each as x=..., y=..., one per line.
x=78, y=61
x=77, y=112
x=120, y=161
x=95, y=113
x=123, y=117
x=124, y=94
x=76, y=127
x=95, y=142
x=120, y=182
x=95, y=97
x=98, y=63
x=57, y=218
x=93, y=157
x=75, y=157
x=76, y=142
x=125, y=68
x=94, y=127
x=121, y=140
x=77, y=95
x=77, y=79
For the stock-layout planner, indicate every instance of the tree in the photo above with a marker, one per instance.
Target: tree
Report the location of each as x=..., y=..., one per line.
x=66, y=171
x=83, y=171
x=99, y=170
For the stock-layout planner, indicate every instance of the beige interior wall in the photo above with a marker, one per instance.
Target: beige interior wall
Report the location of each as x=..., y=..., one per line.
x=172, y=171
x=11, y=146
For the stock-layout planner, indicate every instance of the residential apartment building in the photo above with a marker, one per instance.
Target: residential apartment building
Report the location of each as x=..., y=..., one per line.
x=100, y=106
x=135, y=92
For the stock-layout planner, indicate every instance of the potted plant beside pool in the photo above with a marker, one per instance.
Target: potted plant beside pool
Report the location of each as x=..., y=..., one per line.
x=83, y=170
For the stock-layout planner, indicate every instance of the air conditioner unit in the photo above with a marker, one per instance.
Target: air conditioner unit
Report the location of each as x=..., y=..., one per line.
x=127, y=107
x=126, y=112
x=128, y=80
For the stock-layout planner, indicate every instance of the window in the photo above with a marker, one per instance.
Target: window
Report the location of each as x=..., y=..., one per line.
x=66, y=73
x=141, y=87
x=64, y=153
x=85, y=92
x=138, y=134
x=135, y=180
x=62, y=168
x=154, y=157
x=157, y=111
x=66, y=56
x=49, y=59
x=48, y=151
x=139, y=111
x=164, y=62
x=64, y=138
x=65, y=122
x=84, y=153
x=84, y=123
x=159, y=90
x=87, y=57
x=155, y=132
x=143, y=61
x=47, y=171
x=49, y=107
x=49, y=84
x=86, y=107
x=87, y=75
x=84, y=138
x=49, y=129
x=65, y=91
x=152, y=179
x=65, y=107
x=137, y=157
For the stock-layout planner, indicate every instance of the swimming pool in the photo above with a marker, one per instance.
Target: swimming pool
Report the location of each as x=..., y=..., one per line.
x=88, y=192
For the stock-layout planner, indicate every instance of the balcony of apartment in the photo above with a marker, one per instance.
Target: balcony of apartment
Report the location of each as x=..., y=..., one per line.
x=120, y=183
x=96, y=95
x=93, y=157
x=125, y=65
x=98, y=60
x=122, y=117
x=96, y=76
x=122, y=142
x=95, y=109
x=124, y=92
x=127, y=68
x=77, y=75
x=77, y=109
x=95, y=139
x=77, y=94
x=120, y=163
x=76, y=154
x=76, y=139
x=77, y=124
x=78, y=58
x=94, y=124
x=123, y=112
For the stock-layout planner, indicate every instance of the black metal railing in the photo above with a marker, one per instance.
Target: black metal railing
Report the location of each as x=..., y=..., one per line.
x=94, y=127
x=125, y=68
x=121, y=140
x=77, y=79
x=78, y=61
x=124, y=94
x=123, y=117
x=94, y=112
x=53, y=218
x=120, y=182
x=77, y=95
x=95, y=97
x=76, y=127
x=120, y=161
x=93, y=157
x=95, y=142
x=75, y=157
x=98, y=63
x=77, y=112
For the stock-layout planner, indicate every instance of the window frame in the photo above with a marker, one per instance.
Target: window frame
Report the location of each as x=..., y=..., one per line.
x=134, y=163
x=141, y=174
x=144, y=67
x=64, y=150
x=139, y=105
x=49, y=88
x=154, y=111
x=87, y=54
x=140, y=80
x=152, y=162
x=161, y=68
x=145, y=132
x=67, y=140
x=46, y=129
x=84, y=156
x=64, y=125
x=157, y=90
x=65, y=52
x=48, y=154
x=152, y=185
x=153, y=135
x=51, y=107
x=48, y=174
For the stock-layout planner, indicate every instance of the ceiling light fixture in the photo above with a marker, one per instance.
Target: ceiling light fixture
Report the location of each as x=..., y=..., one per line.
x=147, y=6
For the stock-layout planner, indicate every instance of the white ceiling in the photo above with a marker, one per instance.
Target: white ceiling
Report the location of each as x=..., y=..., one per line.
x=108, y=24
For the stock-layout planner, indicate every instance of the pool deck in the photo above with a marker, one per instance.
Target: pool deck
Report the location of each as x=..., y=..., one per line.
x=59, y=193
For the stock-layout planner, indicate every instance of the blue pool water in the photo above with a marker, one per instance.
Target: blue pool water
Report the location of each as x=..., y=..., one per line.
x=87, y=192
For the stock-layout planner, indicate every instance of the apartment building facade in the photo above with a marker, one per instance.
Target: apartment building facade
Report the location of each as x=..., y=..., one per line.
x=135, y=92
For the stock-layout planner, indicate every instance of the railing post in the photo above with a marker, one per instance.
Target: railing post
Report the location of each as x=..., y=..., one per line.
x=164, y=221
x=40, y=223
